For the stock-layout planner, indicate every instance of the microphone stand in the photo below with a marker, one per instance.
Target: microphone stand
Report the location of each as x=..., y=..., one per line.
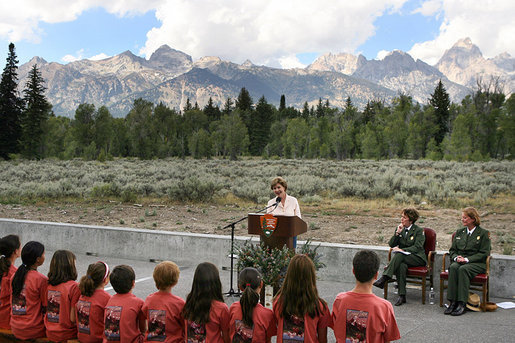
x=232, y=226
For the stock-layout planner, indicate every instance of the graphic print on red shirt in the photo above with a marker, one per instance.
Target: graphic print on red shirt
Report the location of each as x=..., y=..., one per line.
x=196, y=333
x=19, y=304
x=112, y=323
x=83, y=311
x=293, y=329
x=156, y=325
x=243, y=332
x=54, y=305
x=356, y=326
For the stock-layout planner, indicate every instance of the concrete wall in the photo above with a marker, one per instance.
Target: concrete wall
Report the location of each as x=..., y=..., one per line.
x=185, y=248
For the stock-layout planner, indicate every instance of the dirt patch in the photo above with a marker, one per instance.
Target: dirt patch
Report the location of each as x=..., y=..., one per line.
x=327, y=223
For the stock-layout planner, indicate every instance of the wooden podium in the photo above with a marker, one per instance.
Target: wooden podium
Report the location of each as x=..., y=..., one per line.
x=287, y=228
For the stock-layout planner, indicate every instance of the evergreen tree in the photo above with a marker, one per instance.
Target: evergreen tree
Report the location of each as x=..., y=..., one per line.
x=211, y=111
x=441, y=102
x=10, y=107
x=259, y=131
x=36, y=113
x=228, y=106
x=244, y=101
x=282, y=103
x=83, y=127
x=188, y=106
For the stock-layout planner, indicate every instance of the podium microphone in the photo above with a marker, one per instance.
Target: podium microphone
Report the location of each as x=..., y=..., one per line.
x=278, y=200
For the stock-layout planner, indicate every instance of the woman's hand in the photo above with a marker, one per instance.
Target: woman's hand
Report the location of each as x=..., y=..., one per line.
x=399, y=230
x=396, y=249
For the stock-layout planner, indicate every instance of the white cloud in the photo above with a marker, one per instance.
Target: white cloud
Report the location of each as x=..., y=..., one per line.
x=265, y=31
x=489, y=25
x=382, y=54
x=429, y=8
x=71, y=58
x=19, y=20
x=98, y=57
x=291, y=61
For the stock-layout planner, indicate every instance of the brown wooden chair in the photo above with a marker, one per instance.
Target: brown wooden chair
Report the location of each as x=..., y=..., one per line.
x=420, y=275
x=480, y=282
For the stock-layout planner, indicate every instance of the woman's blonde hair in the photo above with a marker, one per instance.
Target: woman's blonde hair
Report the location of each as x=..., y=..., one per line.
x=279, y=180
x=472, y=213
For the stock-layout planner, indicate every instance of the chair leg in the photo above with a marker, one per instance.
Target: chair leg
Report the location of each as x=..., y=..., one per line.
x=441, y=292
x=423, y=290
x=386, y=290
x=483, y=304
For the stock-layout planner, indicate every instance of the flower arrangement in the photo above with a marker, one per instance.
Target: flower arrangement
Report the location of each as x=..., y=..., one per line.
x=272, y=263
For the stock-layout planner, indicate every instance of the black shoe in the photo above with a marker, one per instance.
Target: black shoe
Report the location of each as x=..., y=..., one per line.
x=451, y=307
x=380, y=283
x=460, y=309
x=401, y=300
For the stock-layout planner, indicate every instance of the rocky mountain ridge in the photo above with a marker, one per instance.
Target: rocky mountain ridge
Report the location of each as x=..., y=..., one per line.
x=171, y=76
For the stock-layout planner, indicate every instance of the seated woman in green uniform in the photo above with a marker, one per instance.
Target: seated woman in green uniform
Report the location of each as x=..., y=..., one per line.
x=469, y=250
x=407, y=245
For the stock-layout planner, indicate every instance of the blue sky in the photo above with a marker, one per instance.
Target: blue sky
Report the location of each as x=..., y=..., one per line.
x=279, y=33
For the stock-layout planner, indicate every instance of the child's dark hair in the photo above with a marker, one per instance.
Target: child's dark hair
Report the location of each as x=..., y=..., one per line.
x=62, y=267
x=205, y=288
x=249, y=281
x=298, y=294
x=122, y=278
x=97, y=273
x=29, y=256
x=366, y=265
x=8, y=246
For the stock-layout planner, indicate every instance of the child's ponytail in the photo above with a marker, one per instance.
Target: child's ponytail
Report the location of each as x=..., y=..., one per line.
x=8, y=246
x=249, y=282
x=97, y=273
x=29, y=256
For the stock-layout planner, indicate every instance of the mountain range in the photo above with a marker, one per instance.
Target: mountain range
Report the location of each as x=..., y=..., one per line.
x=171, y=77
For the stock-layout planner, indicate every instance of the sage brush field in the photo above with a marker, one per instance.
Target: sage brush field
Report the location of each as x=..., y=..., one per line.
x=441, y=183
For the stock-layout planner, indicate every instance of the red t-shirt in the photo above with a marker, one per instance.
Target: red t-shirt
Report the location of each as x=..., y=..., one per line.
x=60, y=300
x=364, y=317
x=28, y=307
x=163, y=313
x=211, y=332
x=90, y=316
x=121, y=319
x=264, y=327
x=301, y=329
x=5, y=298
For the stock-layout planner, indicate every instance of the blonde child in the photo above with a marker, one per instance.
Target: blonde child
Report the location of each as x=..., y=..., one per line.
x=301, y=314
x=92, y=303
x=162, y=309
x=205, y=313
x=250, y=321
x=28, y=296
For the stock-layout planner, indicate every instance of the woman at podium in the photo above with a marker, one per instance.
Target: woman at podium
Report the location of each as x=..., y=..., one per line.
x=283, y=204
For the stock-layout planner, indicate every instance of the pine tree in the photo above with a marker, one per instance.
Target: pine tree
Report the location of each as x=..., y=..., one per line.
x=10, y=107
x=36, y=113
x=441, y=102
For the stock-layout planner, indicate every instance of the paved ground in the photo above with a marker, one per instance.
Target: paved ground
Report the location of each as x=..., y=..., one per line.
x=417, y=322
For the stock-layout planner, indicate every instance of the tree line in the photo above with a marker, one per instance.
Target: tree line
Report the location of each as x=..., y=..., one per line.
x=481, y=127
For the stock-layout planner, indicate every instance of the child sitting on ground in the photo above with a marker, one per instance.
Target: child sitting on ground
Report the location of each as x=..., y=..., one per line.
x=62, y=295
x=359, y=315
x=250, y=321
x=123, y=319
x=162, y=309
x=206, y=314
x=28, y=296
x=92, y=303
x=301, y=314
x=10, y=250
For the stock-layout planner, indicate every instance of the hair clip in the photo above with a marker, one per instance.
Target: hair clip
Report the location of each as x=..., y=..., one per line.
x=248, y=285
x=107, y=270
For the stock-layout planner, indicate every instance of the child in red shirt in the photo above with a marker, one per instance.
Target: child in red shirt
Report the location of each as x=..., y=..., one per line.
x=359, y=315
x=62, y=295
x=206, y=315
x=92, y=303
x=251, y=321
x=301, y=314
x=10, y=250
x=28, y=297
x=163, y=309
x=123, y=319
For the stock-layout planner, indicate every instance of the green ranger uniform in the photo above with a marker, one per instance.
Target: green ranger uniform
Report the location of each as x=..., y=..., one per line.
x=475, y=247
x=412, y=242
